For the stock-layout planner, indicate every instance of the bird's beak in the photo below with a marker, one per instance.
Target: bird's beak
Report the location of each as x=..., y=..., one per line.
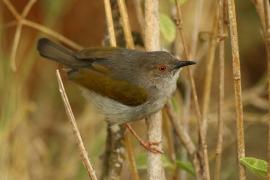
x=180, y=64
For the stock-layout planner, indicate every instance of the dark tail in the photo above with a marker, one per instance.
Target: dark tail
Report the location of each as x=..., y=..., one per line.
x=58, y=53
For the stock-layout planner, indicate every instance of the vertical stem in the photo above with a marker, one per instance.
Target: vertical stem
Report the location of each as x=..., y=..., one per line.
x=155, y=170
x=132, y=163
x=209, y=69
x=203, y=168
x=267, y=44
x=109, y=20
x=125, y=24
x=237, y=87
x=221, y=90
x=197, y=25
x=207, y=89
x=185, y=139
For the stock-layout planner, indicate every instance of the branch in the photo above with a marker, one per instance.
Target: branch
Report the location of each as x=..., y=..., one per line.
x=52, y=33
x=125, y=24
x=207, y=89
x=109, y=21
x=221, y=27
x=185, y=139
x=237, y=87
x=83, y=152
x=204, y=172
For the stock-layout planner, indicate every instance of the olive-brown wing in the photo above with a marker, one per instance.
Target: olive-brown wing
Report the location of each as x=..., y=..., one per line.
x=97, y=79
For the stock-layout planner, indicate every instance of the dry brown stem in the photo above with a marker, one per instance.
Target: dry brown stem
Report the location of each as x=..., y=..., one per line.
x=131, y=158
x=109, y=21
x=221, y=27
x=185, y=139
x=125, y=24
x=237, y=87
x=52, y=33
x=207, y=90
x=203, y=173
x=209, y=72
x=75, y=129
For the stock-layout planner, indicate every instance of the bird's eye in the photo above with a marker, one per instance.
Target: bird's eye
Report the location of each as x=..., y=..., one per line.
x=162, y=67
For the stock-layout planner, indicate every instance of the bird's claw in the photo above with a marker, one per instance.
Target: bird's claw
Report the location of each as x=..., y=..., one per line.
x=151, y=146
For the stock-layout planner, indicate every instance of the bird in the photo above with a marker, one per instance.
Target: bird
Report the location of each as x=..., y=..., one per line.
x=125, y=85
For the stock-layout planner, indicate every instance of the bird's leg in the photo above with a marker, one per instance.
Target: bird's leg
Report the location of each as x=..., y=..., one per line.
x=150, y=146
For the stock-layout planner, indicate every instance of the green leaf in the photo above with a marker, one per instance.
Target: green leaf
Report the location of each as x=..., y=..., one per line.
x=254, y=165
x=167, y=28
x=180, y=1
x=187, y=166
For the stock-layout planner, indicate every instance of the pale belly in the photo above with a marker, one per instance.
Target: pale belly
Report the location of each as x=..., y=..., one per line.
x=117, y=113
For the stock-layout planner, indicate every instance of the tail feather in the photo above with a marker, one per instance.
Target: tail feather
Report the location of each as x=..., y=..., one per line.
x=59, y=53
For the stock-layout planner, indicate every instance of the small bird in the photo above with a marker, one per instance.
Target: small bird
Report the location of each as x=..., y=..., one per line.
x=125, y=85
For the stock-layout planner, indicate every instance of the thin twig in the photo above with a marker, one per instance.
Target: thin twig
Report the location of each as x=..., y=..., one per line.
x=52, y=33
x=267, y=45
x=132, y=162
x=188, y=56
x=209, y=70
x=237, y=87
x=18, y=31
x=205, y=172
x=168, y=135
x=207, y=90
x=197, y=25
x=75, y=129
x=259, y=5
x=12, y=9
x=155, y=170
x=185, y=139
x=125, y=24
x=221, y=26
x=109, y=19
x=15, y=46
x=28, y=7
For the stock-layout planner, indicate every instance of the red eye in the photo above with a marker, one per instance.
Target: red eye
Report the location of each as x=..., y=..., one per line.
x=162, y=67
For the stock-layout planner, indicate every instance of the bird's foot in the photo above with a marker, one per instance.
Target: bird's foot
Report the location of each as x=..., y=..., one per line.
x=151, y=146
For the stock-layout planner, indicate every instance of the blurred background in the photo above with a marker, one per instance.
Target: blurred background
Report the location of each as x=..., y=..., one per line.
x=36, y=140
